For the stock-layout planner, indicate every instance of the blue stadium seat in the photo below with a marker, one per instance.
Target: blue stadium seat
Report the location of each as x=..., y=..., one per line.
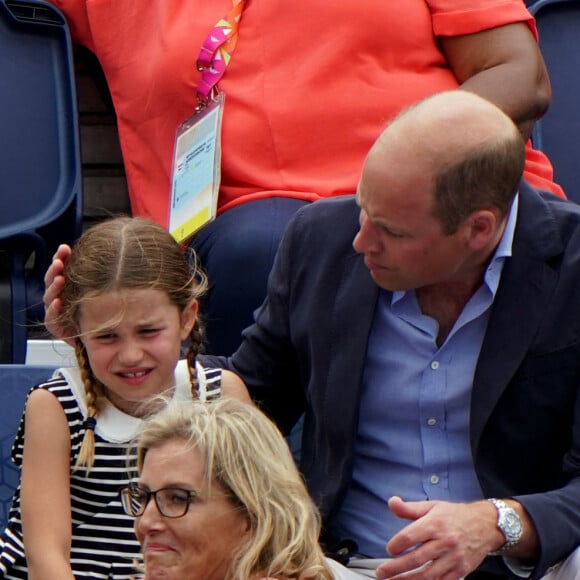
x=15, y=382
x=557, y=132
x=40, y=191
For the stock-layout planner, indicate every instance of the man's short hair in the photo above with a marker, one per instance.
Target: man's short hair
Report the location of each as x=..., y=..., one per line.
x=488, y=176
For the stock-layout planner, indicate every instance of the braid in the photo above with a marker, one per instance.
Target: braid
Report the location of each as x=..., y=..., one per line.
x=93, y=391
x=195, y=339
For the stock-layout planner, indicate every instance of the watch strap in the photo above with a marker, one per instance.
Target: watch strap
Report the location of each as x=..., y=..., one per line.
x=511, y=539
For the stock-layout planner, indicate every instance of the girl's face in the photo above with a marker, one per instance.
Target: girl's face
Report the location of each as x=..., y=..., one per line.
x=133, y=341
x=201, y=543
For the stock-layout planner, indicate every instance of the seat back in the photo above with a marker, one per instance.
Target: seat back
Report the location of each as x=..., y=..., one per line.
x=15, y=383
x=557, y=132
x=40, y=191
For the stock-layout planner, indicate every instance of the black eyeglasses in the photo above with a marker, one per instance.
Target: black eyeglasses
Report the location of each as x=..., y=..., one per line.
x=172, y=502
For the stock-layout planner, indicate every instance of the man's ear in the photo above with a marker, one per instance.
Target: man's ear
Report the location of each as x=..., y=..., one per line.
x=483, y=228
x=188, y=318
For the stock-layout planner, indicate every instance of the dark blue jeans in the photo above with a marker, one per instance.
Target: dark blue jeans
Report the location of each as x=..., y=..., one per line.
x=237, y=250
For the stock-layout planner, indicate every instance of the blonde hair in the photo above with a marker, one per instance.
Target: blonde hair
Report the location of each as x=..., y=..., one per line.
x=247, y=456
x=123, y=254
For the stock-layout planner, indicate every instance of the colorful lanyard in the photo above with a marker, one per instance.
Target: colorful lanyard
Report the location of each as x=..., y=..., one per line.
x=216, y=52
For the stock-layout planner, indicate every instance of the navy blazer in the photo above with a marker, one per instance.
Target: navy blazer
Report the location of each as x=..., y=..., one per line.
x=306, y=353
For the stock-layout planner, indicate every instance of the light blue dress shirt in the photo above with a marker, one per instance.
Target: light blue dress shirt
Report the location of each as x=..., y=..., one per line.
x=413, y=431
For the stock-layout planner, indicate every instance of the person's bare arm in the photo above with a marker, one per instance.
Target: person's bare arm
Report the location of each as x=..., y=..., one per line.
x=233, y=386
x=505, y=66
x=45, y=490
x=53, y=283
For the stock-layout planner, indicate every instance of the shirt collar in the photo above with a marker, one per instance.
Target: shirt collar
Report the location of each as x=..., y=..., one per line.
x=504, y=248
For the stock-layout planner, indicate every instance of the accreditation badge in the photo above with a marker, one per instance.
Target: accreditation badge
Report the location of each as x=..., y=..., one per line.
x=196, y=171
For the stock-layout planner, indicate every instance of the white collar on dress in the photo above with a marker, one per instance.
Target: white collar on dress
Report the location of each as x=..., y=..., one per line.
x=117, y=426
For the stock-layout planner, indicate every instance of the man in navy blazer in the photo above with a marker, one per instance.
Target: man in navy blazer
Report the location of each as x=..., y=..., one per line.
x=307, y=352
x=428, y=330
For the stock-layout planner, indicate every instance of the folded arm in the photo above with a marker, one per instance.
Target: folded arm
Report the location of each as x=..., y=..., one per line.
x=505, y=66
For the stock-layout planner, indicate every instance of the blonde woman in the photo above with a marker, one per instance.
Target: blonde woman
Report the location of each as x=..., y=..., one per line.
x=219, y=498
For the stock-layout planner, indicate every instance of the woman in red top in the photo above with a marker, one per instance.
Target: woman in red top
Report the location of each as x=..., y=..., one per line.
x=310, y=86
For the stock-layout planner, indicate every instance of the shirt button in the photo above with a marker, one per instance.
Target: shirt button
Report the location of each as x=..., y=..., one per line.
x=435, y=365
x=434, y=479
x=431, y=421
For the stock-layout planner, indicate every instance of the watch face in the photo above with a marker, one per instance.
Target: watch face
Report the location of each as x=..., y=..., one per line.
x=512, y=525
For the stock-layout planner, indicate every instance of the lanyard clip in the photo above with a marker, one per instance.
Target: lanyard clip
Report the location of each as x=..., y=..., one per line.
x=204, y=100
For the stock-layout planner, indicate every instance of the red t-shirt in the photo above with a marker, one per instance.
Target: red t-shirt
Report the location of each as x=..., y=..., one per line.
x=310, y=86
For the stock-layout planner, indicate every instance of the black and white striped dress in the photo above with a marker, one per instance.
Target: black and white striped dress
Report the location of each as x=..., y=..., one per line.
x=103, y=543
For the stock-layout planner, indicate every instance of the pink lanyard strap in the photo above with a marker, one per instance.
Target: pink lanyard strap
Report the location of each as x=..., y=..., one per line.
x=216, y=52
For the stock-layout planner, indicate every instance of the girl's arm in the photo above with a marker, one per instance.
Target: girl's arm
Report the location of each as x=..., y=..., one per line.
x=233, y=386
x=45, y=489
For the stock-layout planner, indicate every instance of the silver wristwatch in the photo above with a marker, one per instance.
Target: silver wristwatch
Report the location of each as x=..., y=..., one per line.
x=510, y=525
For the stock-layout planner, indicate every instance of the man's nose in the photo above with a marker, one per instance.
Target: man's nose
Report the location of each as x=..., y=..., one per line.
x=366, y=238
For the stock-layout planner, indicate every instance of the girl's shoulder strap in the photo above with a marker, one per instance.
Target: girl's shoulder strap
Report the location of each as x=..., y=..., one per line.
x=210, y=383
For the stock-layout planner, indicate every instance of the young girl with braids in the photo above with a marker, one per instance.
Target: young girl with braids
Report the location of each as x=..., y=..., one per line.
x=129, y=301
